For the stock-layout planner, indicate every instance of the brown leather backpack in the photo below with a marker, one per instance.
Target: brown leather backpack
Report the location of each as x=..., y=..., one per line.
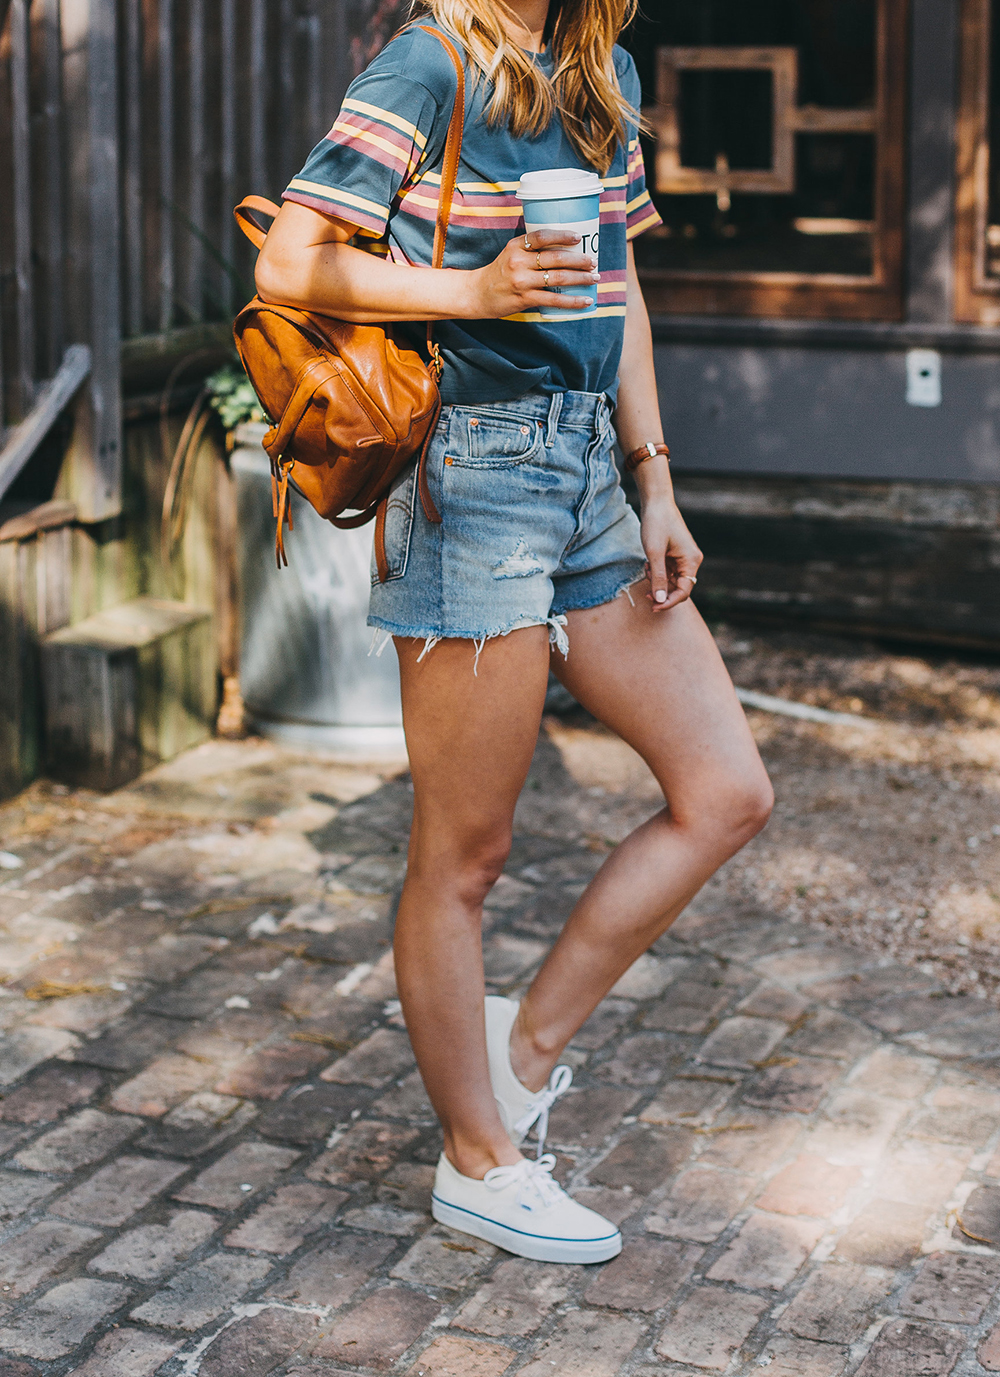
x=353, y=407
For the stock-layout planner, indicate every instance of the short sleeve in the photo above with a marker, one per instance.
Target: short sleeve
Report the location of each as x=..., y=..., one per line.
x=377, y=142
x=640, y=213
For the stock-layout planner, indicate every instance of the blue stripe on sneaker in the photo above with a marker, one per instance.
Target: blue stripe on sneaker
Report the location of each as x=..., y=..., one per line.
x=545, y=1238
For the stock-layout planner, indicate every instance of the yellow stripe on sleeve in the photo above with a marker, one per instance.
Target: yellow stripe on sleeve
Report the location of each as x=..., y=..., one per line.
x=647, y=222
x=387, y=117
x=332, y=193
x=366, y=136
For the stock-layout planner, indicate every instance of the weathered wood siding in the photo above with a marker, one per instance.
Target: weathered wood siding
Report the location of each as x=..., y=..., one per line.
x=126, y=689
x=57, y=577
x=919, y=561
x=128, y=130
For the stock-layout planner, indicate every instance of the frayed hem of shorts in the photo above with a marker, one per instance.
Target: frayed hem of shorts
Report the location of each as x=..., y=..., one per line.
x=558, y=639
x=625, y=588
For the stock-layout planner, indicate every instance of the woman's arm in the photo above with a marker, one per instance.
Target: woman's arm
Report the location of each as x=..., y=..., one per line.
x=307, y=262
x=669, y=546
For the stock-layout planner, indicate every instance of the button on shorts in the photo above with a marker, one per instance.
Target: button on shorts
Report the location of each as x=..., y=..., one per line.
x=534, y=523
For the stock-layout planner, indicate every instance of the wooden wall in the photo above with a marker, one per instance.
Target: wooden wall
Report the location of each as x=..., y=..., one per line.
x=57, y=576
x=912, y=561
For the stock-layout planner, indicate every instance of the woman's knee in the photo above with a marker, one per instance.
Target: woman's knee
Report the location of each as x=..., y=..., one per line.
x=468, y=866
x=751, y=804
x=733, y=809
x=482, y=867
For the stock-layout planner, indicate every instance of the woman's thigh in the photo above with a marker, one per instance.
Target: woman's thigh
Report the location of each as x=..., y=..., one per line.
x=471, y=736
x=659, y=682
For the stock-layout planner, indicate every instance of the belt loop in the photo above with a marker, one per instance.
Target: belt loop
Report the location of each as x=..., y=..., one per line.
x=555, y=409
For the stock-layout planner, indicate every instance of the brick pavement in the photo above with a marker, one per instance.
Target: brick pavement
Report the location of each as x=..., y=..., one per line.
x=217, y=1155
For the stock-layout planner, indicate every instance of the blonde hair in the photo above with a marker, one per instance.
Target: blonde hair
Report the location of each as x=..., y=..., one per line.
x=584, y=85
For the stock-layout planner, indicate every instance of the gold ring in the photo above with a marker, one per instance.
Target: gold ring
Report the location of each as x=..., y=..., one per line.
x=690, y=577
x=538, y=260
x=545, y=277
x=527, y=246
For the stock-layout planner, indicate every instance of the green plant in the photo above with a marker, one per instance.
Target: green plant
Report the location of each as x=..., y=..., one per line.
x=233, y=397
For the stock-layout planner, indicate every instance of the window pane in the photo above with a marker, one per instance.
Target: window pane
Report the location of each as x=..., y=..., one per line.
x=727, y=111
x=721, y=121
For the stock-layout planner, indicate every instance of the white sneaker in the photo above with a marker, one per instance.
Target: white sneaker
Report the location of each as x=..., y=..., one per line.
x=519, y=1107
x=522, y=1209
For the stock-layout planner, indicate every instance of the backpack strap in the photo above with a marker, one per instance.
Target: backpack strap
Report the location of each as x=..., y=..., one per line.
x=449, y=166
x=244, y=217
x=449, y=180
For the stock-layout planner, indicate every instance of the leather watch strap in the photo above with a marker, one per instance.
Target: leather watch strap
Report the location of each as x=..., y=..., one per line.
x=647, y=451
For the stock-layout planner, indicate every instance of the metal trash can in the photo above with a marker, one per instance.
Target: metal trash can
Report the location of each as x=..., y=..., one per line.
x=305, y=672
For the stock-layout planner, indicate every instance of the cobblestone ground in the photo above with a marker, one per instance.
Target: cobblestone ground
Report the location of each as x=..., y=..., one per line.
x=217, y=1154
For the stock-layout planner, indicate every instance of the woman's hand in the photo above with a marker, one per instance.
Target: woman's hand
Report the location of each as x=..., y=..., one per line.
x=673, y=559
x=519, y=279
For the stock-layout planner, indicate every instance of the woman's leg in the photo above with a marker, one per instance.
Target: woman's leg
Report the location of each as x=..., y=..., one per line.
x=659, y=682
x=470, y=739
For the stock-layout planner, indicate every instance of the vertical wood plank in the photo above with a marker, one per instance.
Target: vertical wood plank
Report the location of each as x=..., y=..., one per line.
x=11, y=777
x=52, y=231
x=227, y=140
x=90, y=45
x=165, y=35
x=341, y=70
x=30, y=725
x=196, y=154
x=41, y=583
x=314, y=83
x=291, y=112
x=132, y=168
x=257, y=98
x=53, y=579
x=6, y=229
x=21, y=149
x=105, y=267
x=225, y=533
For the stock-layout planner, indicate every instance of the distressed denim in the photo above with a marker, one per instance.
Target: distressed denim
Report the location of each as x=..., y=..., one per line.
x=534, y=523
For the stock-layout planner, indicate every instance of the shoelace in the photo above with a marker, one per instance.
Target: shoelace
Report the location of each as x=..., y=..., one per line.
x=534, y=1178
x=538, y=1111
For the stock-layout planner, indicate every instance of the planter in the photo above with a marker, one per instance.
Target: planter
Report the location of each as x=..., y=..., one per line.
x=305, y=672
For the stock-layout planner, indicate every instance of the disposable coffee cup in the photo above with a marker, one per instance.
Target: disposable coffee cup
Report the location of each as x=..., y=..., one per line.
x=565, y=198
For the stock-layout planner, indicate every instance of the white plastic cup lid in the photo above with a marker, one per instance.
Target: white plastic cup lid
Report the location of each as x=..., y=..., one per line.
x=558, y=184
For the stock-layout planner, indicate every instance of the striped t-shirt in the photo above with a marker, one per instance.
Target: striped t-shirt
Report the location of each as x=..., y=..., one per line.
x=391, y=132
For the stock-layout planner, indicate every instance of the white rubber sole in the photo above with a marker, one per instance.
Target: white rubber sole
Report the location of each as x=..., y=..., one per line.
x=525, y=1244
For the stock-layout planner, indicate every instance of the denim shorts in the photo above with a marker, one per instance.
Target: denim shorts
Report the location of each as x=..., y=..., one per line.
x=534, y=523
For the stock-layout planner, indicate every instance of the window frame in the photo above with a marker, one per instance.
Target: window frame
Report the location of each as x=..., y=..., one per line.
x=831, y=296
x=977, y=297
